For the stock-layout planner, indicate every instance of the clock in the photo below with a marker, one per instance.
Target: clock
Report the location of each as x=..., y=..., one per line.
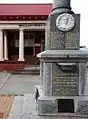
x=65, y=22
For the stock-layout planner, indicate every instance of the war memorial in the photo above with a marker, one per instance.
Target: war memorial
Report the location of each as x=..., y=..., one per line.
x=62, y=65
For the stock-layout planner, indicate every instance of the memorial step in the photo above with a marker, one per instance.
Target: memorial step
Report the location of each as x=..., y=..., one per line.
x=33, y=70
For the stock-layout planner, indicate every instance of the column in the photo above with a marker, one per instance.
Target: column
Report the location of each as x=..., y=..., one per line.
x=5, y=47
x=1, y=45
x=21, y=45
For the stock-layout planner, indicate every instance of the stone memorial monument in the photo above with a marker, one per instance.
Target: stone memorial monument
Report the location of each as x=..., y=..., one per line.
x=62, y=64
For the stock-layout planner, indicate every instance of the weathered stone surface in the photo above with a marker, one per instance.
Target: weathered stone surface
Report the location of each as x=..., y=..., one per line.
x=65, y=82
x=82, y=108
x=72, y=38
x=58, y=40
x=41, y=72
x=82, y=77
x=69, y=54
x=47, y=78
x=47, y=106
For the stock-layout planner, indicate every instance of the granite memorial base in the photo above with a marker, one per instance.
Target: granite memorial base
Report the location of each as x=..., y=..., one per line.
x=62, y=87
x=57, y=105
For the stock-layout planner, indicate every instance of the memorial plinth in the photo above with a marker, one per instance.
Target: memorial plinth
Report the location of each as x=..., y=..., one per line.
x=63, y=64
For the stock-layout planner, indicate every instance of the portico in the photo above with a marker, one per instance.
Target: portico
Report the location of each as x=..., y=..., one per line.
x=22, y=41
x=22, y=33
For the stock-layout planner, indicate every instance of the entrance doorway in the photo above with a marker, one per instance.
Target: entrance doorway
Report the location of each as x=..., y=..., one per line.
x=34, y=43
x=13, y=45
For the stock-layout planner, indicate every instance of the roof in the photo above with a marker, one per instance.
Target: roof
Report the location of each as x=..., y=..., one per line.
x=25, y=9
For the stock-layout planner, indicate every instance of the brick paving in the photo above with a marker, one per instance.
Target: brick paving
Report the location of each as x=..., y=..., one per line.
x=6, y=104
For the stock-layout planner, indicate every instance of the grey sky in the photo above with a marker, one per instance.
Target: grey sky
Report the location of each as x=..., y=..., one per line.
x=78, y=6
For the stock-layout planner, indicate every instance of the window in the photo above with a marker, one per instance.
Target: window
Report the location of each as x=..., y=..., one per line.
x=28, y=39
x=16, y=38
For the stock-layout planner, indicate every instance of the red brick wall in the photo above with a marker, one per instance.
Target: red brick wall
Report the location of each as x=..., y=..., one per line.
x=11, y=67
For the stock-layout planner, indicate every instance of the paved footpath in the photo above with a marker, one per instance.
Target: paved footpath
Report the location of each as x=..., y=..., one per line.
x=4, y=76
x=20, y=84
x=24, y=107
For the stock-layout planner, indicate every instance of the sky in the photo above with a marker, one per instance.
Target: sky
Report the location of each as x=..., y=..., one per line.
x=78, y=6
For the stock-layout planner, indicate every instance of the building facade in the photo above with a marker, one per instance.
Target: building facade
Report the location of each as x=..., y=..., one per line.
x=22, y=32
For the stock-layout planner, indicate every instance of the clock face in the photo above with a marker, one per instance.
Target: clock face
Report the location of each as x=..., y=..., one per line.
x=65, y=22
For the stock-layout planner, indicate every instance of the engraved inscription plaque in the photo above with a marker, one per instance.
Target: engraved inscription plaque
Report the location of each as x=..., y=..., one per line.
x=64, y=83
x=57, y=40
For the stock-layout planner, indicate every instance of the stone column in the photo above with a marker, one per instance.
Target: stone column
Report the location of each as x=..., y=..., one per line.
x=1, y=45
x=21, y=45
x=61, y=3
x=5, y=47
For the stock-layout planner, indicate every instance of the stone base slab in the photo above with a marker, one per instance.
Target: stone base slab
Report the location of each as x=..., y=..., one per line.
x=48, y=105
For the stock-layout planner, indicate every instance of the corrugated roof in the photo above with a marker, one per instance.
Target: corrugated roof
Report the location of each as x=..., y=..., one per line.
x=25, y=9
